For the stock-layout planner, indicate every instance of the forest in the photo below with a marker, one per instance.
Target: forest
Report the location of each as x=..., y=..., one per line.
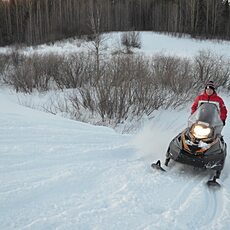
x=34, y=22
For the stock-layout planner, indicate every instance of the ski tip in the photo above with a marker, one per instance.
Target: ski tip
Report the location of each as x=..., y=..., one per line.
x=157, y=165
x=212, y=183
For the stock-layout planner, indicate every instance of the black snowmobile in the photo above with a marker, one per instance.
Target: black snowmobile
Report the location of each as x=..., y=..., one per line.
x=201, y=143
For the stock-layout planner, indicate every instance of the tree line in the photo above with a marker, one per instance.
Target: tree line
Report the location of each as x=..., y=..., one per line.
x=39, y=21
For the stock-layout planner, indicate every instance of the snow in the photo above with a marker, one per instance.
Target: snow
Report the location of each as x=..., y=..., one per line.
x=182, y=47
x=57, y=173
x=151, y=43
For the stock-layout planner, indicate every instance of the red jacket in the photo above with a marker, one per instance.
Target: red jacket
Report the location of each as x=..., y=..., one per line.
x=214, y=97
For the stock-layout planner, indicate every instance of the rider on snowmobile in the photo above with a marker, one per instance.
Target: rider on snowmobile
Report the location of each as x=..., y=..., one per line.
x=210, y=94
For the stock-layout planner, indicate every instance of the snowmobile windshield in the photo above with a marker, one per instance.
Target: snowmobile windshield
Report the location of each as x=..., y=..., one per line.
x=208, y=114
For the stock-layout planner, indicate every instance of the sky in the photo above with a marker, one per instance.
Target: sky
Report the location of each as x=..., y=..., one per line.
x=57, y=173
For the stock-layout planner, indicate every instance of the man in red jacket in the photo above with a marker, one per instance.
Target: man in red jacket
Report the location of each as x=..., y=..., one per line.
x=210, y=95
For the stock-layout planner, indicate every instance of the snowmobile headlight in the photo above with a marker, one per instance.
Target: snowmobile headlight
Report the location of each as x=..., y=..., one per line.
x=200, y=131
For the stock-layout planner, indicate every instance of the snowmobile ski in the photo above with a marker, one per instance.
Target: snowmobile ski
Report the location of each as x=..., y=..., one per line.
x=213, y=182
x=157, y=165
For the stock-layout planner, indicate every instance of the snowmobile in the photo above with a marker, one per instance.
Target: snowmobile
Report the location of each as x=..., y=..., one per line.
x=201, y=144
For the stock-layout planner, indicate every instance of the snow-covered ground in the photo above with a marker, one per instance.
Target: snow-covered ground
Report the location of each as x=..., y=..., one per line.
x=57, y=173
x=61, y=174
x=151, y=43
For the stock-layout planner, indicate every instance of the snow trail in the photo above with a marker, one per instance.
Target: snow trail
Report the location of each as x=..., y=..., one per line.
x=61, y=174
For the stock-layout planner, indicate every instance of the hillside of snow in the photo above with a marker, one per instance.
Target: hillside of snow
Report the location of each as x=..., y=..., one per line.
x=62, y=174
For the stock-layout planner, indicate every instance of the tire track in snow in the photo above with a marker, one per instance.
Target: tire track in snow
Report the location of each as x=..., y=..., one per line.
x=186, y=193
x=211, y=206
x=206, y=204
x=215, y=209
x=180, y=204
x=174, y=214
x=195, y=206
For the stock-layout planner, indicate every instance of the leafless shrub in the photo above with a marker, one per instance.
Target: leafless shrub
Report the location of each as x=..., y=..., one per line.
x=30, y=72
x=134, y=73
x=16, y=56
x=4, y=60
x=57, y=104
x=208, y=66
x=171, y=72
x=9, y=64
x=21, y=78
x=73, y=71
x=34, y=72
x=128, y=86
x=45, y=69
x=173, y=75
x=131, y=40
x=125, y=89
x=4, y=66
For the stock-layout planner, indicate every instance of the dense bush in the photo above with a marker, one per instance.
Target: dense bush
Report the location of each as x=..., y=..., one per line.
x=122, y=86
x=131, y=40
x=26, y=73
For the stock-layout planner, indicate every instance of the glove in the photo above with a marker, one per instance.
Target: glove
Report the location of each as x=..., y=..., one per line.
x=223, y=123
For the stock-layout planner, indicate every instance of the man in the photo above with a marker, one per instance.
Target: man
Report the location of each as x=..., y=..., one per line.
x=210, y=94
